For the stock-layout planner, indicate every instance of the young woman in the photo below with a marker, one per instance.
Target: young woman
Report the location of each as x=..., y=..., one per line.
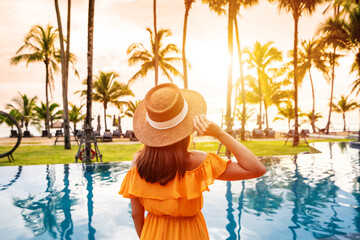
x=165, y=178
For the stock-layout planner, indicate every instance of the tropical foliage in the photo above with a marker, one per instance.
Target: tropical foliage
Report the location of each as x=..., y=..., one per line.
x=25, y=106
x=75, y=115
x=54, y=114
x=40, y=42
x=343, y=106
x=167, y=56
x=311, y=55
x=107, y=90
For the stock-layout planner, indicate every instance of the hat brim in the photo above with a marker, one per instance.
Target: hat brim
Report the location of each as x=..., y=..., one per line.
x=153, y=137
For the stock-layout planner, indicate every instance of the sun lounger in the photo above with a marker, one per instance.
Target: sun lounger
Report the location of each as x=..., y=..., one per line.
x=269, y=133
x=258, y=133
x=108, y=137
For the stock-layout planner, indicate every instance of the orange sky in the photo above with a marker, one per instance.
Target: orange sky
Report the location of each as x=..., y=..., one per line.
x=121, y=23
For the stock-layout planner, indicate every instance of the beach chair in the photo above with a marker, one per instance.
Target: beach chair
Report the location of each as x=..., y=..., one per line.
x=107, y=137
x=269, y=133
x=258, y=133
x=117, y=133
x=304, y=133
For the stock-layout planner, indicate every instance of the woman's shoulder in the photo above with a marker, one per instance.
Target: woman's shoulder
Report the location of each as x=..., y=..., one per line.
x=196, y=159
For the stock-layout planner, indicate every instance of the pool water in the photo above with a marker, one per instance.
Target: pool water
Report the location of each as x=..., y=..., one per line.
x=308, y=196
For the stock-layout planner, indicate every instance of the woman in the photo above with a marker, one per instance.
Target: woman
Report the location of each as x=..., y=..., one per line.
x=165, y=178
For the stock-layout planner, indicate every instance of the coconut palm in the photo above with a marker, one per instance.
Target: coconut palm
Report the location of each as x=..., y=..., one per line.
x=89, y=82
x=75, y=115
x=89, y=85
x=41, y=42
x=155, y=46
x=311, y=55
x=65, y=57
x=286, y=113
x=341, y=32
x=14, y=113
x=139, y=54
x=131, y=107
x=312, y=118
x=41, y=112
x=26, y=107
x=260, y=57
x=107, y=90
x=188, y=4
x=344, y=105
x=297, y=8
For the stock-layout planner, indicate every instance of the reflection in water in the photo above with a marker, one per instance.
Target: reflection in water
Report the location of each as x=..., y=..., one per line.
x=230, y=227
x=18, y=174
x=39, y=213
x=88, y=171
x=241, y=206
x=299, y=197
x=67, y=223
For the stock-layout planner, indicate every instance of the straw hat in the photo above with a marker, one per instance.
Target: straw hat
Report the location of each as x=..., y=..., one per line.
x=166, y=115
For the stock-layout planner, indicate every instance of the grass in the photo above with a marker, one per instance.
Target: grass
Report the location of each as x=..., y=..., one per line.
x=48, y=154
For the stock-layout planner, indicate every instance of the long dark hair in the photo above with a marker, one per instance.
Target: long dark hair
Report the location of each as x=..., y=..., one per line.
x=160, y=164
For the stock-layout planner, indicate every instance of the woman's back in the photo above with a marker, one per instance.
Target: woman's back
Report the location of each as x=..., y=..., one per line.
x=178, y=200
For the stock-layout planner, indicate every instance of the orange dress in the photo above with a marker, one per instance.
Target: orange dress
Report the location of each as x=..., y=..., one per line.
x=174, y=210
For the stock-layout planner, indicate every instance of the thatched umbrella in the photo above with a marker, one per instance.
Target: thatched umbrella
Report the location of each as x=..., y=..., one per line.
x=98, y=124
x=119, y=124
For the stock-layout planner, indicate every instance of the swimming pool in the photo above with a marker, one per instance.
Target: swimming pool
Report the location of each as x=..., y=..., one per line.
x=309, y=196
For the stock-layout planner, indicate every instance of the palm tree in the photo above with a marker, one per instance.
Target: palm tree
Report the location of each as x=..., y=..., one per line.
x=26, y=107
x=155, y=46
x=297, y=8
x=14, y=113
x=107, y=90
x=41, y=42
x=260, y=57
x=65, y=56
x=139, y=54
x=344, y=105
x=287, y=112
x=342, y=33
x=88, y=128
x=131, y=108
x=311, y=55
x=312, y=118
x=75, y=115
x=41, y=112
x=188, y=4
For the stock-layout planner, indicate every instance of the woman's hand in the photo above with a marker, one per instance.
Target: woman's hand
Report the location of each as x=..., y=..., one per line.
x=204, y=126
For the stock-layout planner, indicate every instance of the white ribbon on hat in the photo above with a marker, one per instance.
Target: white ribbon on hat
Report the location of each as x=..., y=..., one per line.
x=169, y=123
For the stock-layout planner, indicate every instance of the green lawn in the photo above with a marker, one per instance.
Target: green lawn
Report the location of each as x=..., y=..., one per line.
x=29, y=155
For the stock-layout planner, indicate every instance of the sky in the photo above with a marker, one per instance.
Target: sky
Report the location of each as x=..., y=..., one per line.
x=119, y=23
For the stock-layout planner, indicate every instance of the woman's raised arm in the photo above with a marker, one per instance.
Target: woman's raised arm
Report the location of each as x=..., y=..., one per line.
x=247, y=166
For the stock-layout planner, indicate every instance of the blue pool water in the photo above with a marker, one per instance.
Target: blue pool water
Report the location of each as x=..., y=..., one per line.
x=309, y=196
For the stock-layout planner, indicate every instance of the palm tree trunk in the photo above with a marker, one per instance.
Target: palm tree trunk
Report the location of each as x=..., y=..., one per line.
x=229, y=75
x=66, y=83
x=156, y=47
x=187, y=9
x=332, y=90
x=296, y=133
x=47, y=117
x=343, y=115
x=64, y=74
x=88, y=127
x=266, y=115
x=105, y=106
x=313, y=107
x=242, y=82
x=260, y=95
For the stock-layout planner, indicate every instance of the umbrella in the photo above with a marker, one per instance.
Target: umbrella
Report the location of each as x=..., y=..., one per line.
x=114, y=121
x=98, y=124
x=119, y=124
